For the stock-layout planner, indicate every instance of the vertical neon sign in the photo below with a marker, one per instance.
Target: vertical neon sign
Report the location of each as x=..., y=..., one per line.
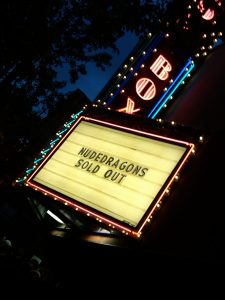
x=149, y=79
x=156, y=71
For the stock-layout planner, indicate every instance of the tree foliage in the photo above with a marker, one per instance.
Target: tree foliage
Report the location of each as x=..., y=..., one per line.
x=37, y=37
x=40, y=35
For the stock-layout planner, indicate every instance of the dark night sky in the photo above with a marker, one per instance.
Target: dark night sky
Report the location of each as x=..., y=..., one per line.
x=92, y=83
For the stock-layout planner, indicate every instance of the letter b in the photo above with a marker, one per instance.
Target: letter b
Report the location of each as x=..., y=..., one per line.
x=161, y=67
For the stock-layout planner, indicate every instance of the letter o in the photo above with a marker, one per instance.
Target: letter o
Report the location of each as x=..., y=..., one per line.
x=129, y=168
x=145, y=88
x=108, y=173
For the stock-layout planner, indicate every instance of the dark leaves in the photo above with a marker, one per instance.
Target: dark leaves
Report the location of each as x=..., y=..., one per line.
x=39, y=36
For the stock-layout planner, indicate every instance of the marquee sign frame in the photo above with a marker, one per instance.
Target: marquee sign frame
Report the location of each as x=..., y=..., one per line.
x=120, y=183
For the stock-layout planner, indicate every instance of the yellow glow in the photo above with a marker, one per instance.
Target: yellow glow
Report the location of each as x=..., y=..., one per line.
x=129, y=194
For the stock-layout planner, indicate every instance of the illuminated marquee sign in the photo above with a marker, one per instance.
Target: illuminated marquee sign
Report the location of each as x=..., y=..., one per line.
x=151, y=81
x=112, y=173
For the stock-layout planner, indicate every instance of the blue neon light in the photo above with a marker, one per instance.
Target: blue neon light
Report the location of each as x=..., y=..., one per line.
x=37, y=160
x=53, y=142
x=43, y=152
x=71, y=122
x=173, y=87
x=46, y=150
x=61, y=132
x=20, y=180
x=30, y=170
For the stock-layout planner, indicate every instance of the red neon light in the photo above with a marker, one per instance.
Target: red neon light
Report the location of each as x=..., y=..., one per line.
x=129, y=109
x=201, y=7
x=145, y=88
x=208, y=15
x=77, y=206
x=161, y=67
x=140, y=132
